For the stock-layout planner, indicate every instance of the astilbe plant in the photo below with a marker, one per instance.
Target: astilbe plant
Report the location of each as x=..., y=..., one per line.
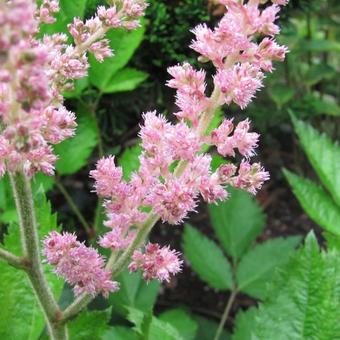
x=174, y=171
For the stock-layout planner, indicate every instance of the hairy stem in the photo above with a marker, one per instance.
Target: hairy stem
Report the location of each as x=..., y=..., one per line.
x=73, y=206
x=30, y=245
x=225, y=314
x=13, y=260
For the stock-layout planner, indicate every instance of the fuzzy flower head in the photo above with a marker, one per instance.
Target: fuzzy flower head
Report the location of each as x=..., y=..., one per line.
x=156, y=262
x=81, y=266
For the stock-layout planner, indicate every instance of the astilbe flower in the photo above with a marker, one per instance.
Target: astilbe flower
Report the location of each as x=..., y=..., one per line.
x=173, y=171
x=34, y=72
x=81, y=266
x=156, y=263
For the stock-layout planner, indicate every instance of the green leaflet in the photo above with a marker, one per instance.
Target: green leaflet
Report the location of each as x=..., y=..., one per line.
x=126, y=79
x=21, y=317
x=182, y=321
x=304, y=300
x=89, y=325
x=135, y=293
x=151, y=328
x=323, y=154
x=123, y=45
x=237, y=231
x=74, y=152
x=258, y=266
x=318, y=205
x=244, y=324
x=207, y=259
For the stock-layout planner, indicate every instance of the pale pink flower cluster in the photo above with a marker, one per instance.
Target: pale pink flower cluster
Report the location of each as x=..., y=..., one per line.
x=81, y=266
x=34, y=72
x=156, y=263
x=174, y=172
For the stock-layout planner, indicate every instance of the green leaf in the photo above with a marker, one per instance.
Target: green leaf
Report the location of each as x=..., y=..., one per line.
x=333, y=241
x=151, y=328
x=281, y=94
x=304, y=299
x=207, y=329
x=317, y=73
x=123, y=44
x=316, y=202
x=134, y=293
x=74, y=8
x=22, y=318
x=129, y=160
x=74, y=152
x=323, y=154
x=207, y=259
x=120, y=333
x=244, y=324
x=258, y=266
x=89, y=325
x=182, y=321
x=236, y=231
x=126, y=79
x=161, y=330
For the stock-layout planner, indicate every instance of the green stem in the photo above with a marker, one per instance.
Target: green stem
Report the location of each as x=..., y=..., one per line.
x=30, y=244
x=225, y=314
x=73, y=206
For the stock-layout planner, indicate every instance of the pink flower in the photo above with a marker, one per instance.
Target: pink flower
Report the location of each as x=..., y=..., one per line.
x=107, y=177
x=239, y=84
x=250, y=177
x=46, y=11
x=81, y=266
x=156, y=263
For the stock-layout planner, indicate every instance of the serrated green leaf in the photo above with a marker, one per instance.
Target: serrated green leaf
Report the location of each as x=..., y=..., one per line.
x=123, y=44
x=237, y=231
x=126, y=79
x=207, y=329
x=316, y=202
x=134, y=293
x=281, y=94
x=89, y=325
x=244, y=324
x=304, y=300
x=207, y=259
x=74, y=152
x=323, y=154
x=129, y=160
x=22, y=318
x=161, y=330
x=182, y=321
x=257, y=267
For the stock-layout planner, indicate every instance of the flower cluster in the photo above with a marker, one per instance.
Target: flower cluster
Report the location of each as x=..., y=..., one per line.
x=174, y=172
x=34, y=72
x=156, y=263
x=81, y=266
